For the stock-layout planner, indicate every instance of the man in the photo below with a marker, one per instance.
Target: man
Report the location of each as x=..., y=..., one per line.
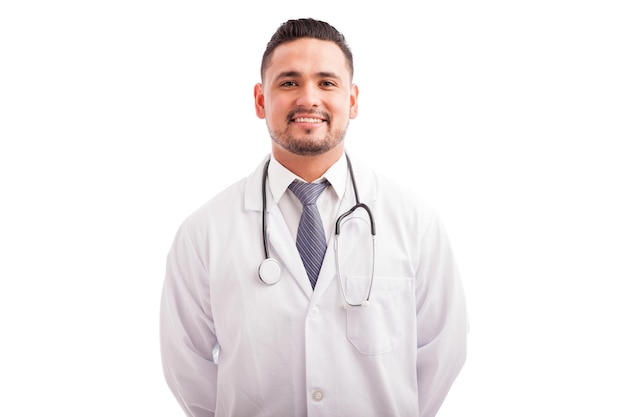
x=359, y=331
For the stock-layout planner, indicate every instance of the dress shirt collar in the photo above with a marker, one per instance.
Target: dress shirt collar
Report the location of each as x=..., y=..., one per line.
x=280, y=177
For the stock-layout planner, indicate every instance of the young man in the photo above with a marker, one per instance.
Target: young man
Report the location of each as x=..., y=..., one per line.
x=330, y=324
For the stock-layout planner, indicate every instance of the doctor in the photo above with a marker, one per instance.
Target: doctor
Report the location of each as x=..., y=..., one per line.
x=378, y=329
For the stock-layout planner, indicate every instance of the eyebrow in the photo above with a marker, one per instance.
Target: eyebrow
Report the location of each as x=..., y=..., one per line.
x=296, y=74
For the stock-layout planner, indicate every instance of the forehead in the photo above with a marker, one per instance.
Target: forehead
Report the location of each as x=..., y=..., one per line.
x=308, y=56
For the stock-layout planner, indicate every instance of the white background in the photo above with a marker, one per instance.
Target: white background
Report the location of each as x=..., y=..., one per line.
x=119, y=118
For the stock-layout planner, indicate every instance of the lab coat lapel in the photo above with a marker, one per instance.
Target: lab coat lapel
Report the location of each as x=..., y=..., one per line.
x=367, y=194
x=281, y=244
x=328, y=273
x=283, y=248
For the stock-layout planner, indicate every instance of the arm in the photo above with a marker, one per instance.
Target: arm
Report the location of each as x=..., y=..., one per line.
x=442, y=325
x=187, y=331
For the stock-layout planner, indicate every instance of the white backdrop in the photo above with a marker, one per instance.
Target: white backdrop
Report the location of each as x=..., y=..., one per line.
x=119, y=118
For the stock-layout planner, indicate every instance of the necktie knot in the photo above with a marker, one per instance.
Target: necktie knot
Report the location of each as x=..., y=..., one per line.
x=306, y=192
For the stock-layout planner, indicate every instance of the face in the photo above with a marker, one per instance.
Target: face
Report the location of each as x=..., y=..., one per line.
x=307, y=97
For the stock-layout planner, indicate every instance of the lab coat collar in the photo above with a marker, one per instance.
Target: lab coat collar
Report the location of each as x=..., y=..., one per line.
x=253, y=200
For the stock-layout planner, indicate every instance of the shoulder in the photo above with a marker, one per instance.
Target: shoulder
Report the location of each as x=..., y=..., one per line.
x=390, y=193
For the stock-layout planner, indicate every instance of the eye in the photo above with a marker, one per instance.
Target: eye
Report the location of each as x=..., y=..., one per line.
x=288, y=84
x=328, y=84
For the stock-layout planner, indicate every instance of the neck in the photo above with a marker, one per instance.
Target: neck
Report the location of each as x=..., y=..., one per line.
x=309, y=168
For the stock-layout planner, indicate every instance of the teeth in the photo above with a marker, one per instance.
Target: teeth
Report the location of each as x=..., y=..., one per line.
x=307, y=120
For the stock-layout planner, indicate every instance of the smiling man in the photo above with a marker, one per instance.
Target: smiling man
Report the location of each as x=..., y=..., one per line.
x=307, y=98
x=276, y=301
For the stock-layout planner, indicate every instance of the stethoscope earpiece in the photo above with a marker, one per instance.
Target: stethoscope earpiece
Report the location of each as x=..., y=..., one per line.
x=269, y=271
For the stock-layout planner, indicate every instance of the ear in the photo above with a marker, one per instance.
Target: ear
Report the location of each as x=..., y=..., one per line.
x=259, y=101
x=354, y=101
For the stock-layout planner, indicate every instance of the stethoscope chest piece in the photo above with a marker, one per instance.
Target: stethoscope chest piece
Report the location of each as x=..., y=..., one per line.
x=269, y=271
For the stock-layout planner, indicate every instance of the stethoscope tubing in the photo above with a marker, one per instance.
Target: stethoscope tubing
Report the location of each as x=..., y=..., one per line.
x=269, y=270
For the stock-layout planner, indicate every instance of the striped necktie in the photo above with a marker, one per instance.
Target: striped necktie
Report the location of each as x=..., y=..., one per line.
x=311, y=239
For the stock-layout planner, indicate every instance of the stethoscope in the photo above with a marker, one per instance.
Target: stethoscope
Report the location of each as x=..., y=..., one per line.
x=270, y=269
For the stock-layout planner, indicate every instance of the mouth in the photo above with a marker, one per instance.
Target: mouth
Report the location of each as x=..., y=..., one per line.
x=308, y=118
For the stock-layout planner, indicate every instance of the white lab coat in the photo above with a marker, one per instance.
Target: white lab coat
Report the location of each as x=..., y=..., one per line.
x=286, y=350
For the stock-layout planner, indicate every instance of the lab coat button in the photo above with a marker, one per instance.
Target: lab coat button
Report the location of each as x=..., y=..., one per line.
x=314, y=312
x=318, y=395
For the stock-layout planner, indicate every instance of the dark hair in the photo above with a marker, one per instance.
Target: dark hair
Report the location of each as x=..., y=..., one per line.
x=295, y=29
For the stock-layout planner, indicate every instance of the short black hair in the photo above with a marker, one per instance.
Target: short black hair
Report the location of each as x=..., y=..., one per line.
x=295, y=29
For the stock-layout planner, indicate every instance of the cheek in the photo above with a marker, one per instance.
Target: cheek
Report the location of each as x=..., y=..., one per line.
x=276, y=110
x=342, y=107
x=274, y=114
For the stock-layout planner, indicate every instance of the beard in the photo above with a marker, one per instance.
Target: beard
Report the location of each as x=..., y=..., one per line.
x=308, y=145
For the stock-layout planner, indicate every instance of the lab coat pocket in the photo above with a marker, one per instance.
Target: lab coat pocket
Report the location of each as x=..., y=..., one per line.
x=379, y=326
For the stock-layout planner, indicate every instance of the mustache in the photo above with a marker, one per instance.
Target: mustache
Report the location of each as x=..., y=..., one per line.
x=311, y=112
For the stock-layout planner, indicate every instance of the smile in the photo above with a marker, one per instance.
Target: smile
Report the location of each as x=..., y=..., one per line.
x=307, y=120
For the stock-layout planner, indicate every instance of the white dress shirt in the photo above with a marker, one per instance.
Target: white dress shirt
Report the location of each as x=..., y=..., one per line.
x=280, y=178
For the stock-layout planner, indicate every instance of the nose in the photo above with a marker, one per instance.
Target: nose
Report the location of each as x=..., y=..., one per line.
x=309, y=96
